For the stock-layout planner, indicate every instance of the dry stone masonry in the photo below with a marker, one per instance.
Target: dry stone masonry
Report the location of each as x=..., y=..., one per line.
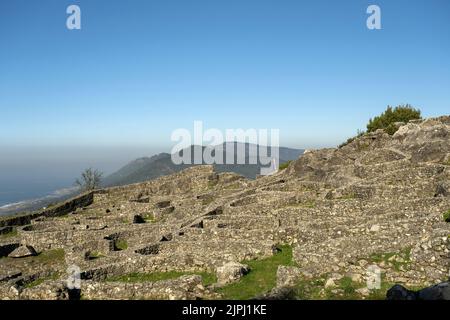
x=377, y=201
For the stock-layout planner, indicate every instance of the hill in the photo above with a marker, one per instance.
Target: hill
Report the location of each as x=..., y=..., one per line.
x=148, y=168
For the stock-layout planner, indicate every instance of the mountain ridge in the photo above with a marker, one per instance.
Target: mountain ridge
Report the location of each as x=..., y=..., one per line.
x=147, y=168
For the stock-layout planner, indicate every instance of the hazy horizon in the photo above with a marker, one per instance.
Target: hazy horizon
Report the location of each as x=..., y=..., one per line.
x=136, y=71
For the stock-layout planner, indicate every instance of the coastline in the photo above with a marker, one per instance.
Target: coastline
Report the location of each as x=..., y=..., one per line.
x=37, y=203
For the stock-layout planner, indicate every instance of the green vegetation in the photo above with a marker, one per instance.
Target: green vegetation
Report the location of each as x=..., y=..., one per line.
x=447, y=216
x=92, y=255
x=120, y=244
x=212, y=183
x=345, y=289
x=398, y=260
x=10, y=234
x=55, y=255
x=348, y=196
x=149, y=218
x=284, y=165
x=208, y=278
x=387, y=119
x=35, y=283
x=90, y=180
x=261, y=278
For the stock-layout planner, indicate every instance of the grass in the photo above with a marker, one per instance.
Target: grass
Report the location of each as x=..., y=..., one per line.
x=261, y=278
x=50, y=256
x=120, y=244
x=348, y=196
x=284, y=165
x=346, y=289
x=390, y=258
x=304, y=204
x=446, y=216
x=149, y=218
x=207, y=278
x=10, y=234
x=94, y=255
x=35, y=283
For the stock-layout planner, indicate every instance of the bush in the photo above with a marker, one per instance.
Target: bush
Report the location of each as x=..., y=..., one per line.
x=447, y=216
x=387, y=119
x=90, y=180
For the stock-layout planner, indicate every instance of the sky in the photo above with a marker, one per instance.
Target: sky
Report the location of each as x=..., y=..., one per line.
x=139, y=69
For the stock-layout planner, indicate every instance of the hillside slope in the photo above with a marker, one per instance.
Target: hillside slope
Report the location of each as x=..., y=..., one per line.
x=372, y=207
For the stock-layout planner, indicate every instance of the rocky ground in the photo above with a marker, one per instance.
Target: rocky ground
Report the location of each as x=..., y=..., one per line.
x=375, y=202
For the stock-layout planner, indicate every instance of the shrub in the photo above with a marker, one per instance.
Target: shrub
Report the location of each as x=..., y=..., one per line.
x=447, y=216
x=388, y=118
x=90, y=180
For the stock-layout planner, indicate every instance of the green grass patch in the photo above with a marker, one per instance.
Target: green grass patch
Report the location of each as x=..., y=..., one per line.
x=446, y=216
x=93, y=255
x=348, y=196
x=150, y=218
x=10, y=234
x=314, y=289
x=207, y=278
x=398, y=260
x=120, y=244
x=56, y=255
x=35, y=283
x=284, y=165
x=261, y=278
x=345, y=289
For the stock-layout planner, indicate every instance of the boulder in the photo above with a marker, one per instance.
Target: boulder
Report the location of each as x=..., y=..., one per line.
x=288, y=276
x=22, y=252
x=440, y=291
x=231, y=272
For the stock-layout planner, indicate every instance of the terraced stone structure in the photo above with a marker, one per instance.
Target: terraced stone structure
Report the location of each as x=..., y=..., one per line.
x=378, y=201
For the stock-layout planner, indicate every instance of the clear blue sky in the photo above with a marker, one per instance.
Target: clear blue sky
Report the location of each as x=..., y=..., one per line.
x=139, y=69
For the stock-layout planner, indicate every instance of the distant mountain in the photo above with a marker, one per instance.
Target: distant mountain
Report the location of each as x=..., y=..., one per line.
x=148, y=168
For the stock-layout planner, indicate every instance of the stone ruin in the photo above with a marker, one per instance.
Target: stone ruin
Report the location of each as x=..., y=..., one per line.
x=337, y=208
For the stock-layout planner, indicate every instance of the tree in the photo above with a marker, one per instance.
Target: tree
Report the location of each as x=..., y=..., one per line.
x=90, y=180
x=387, y=119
